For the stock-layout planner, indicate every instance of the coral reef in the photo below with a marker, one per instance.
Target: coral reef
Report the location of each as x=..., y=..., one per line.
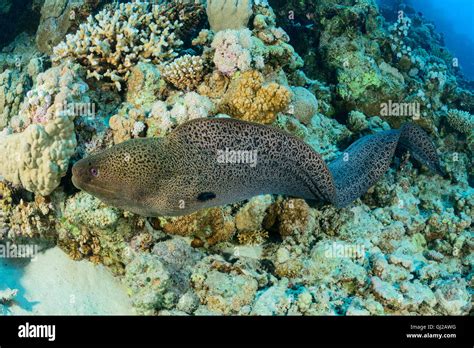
x=133, y=70
x=148, y=33
x=222, y=287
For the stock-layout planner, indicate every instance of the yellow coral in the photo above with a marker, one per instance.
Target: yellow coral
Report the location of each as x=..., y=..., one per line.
x=250, y=99
x=5, y=197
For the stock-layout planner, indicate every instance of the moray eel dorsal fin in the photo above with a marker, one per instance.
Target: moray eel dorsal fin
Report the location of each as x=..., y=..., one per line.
x=211, y=162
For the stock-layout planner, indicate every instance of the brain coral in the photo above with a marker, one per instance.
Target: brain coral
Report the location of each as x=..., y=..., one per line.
x=250, y=99
x=305, y=104
x=114, y=40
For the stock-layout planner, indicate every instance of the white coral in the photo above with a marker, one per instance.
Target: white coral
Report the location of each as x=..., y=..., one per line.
x=186, y=108
x=234, y=51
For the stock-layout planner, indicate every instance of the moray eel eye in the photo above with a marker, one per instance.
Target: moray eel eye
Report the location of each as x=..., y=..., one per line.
x=94, y=172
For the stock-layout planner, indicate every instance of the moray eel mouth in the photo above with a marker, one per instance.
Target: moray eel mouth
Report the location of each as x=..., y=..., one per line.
x=81, y=179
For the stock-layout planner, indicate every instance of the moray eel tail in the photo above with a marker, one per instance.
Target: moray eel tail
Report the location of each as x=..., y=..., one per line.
x=366, y=160
x=415, y=140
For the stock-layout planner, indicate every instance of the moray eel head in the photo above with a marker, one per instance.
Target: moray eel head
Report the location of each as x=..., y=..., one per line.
x=113, y=174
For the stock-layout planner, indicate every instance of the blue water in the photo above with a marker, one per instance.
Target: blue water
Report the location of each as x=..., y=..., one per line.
x=455, y=19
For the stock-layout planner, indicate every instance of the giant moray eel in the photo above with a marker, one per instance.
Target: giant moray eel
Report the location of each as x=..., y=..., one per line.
x=182, y=173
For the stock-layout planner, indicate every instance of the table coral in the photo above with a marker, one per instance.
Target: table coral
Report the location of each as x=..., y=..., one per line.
x=148, y=33
x=250, y=99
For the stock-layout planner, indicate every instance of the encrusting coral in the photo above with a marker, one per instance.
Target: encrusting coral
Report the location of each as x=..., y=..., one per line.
x=112, y=41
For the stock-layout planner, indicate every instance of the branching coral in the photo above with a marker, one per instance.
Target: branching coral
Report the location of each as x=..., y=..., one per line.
x=111, y=42
x=250, y=99
x=184, y=73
